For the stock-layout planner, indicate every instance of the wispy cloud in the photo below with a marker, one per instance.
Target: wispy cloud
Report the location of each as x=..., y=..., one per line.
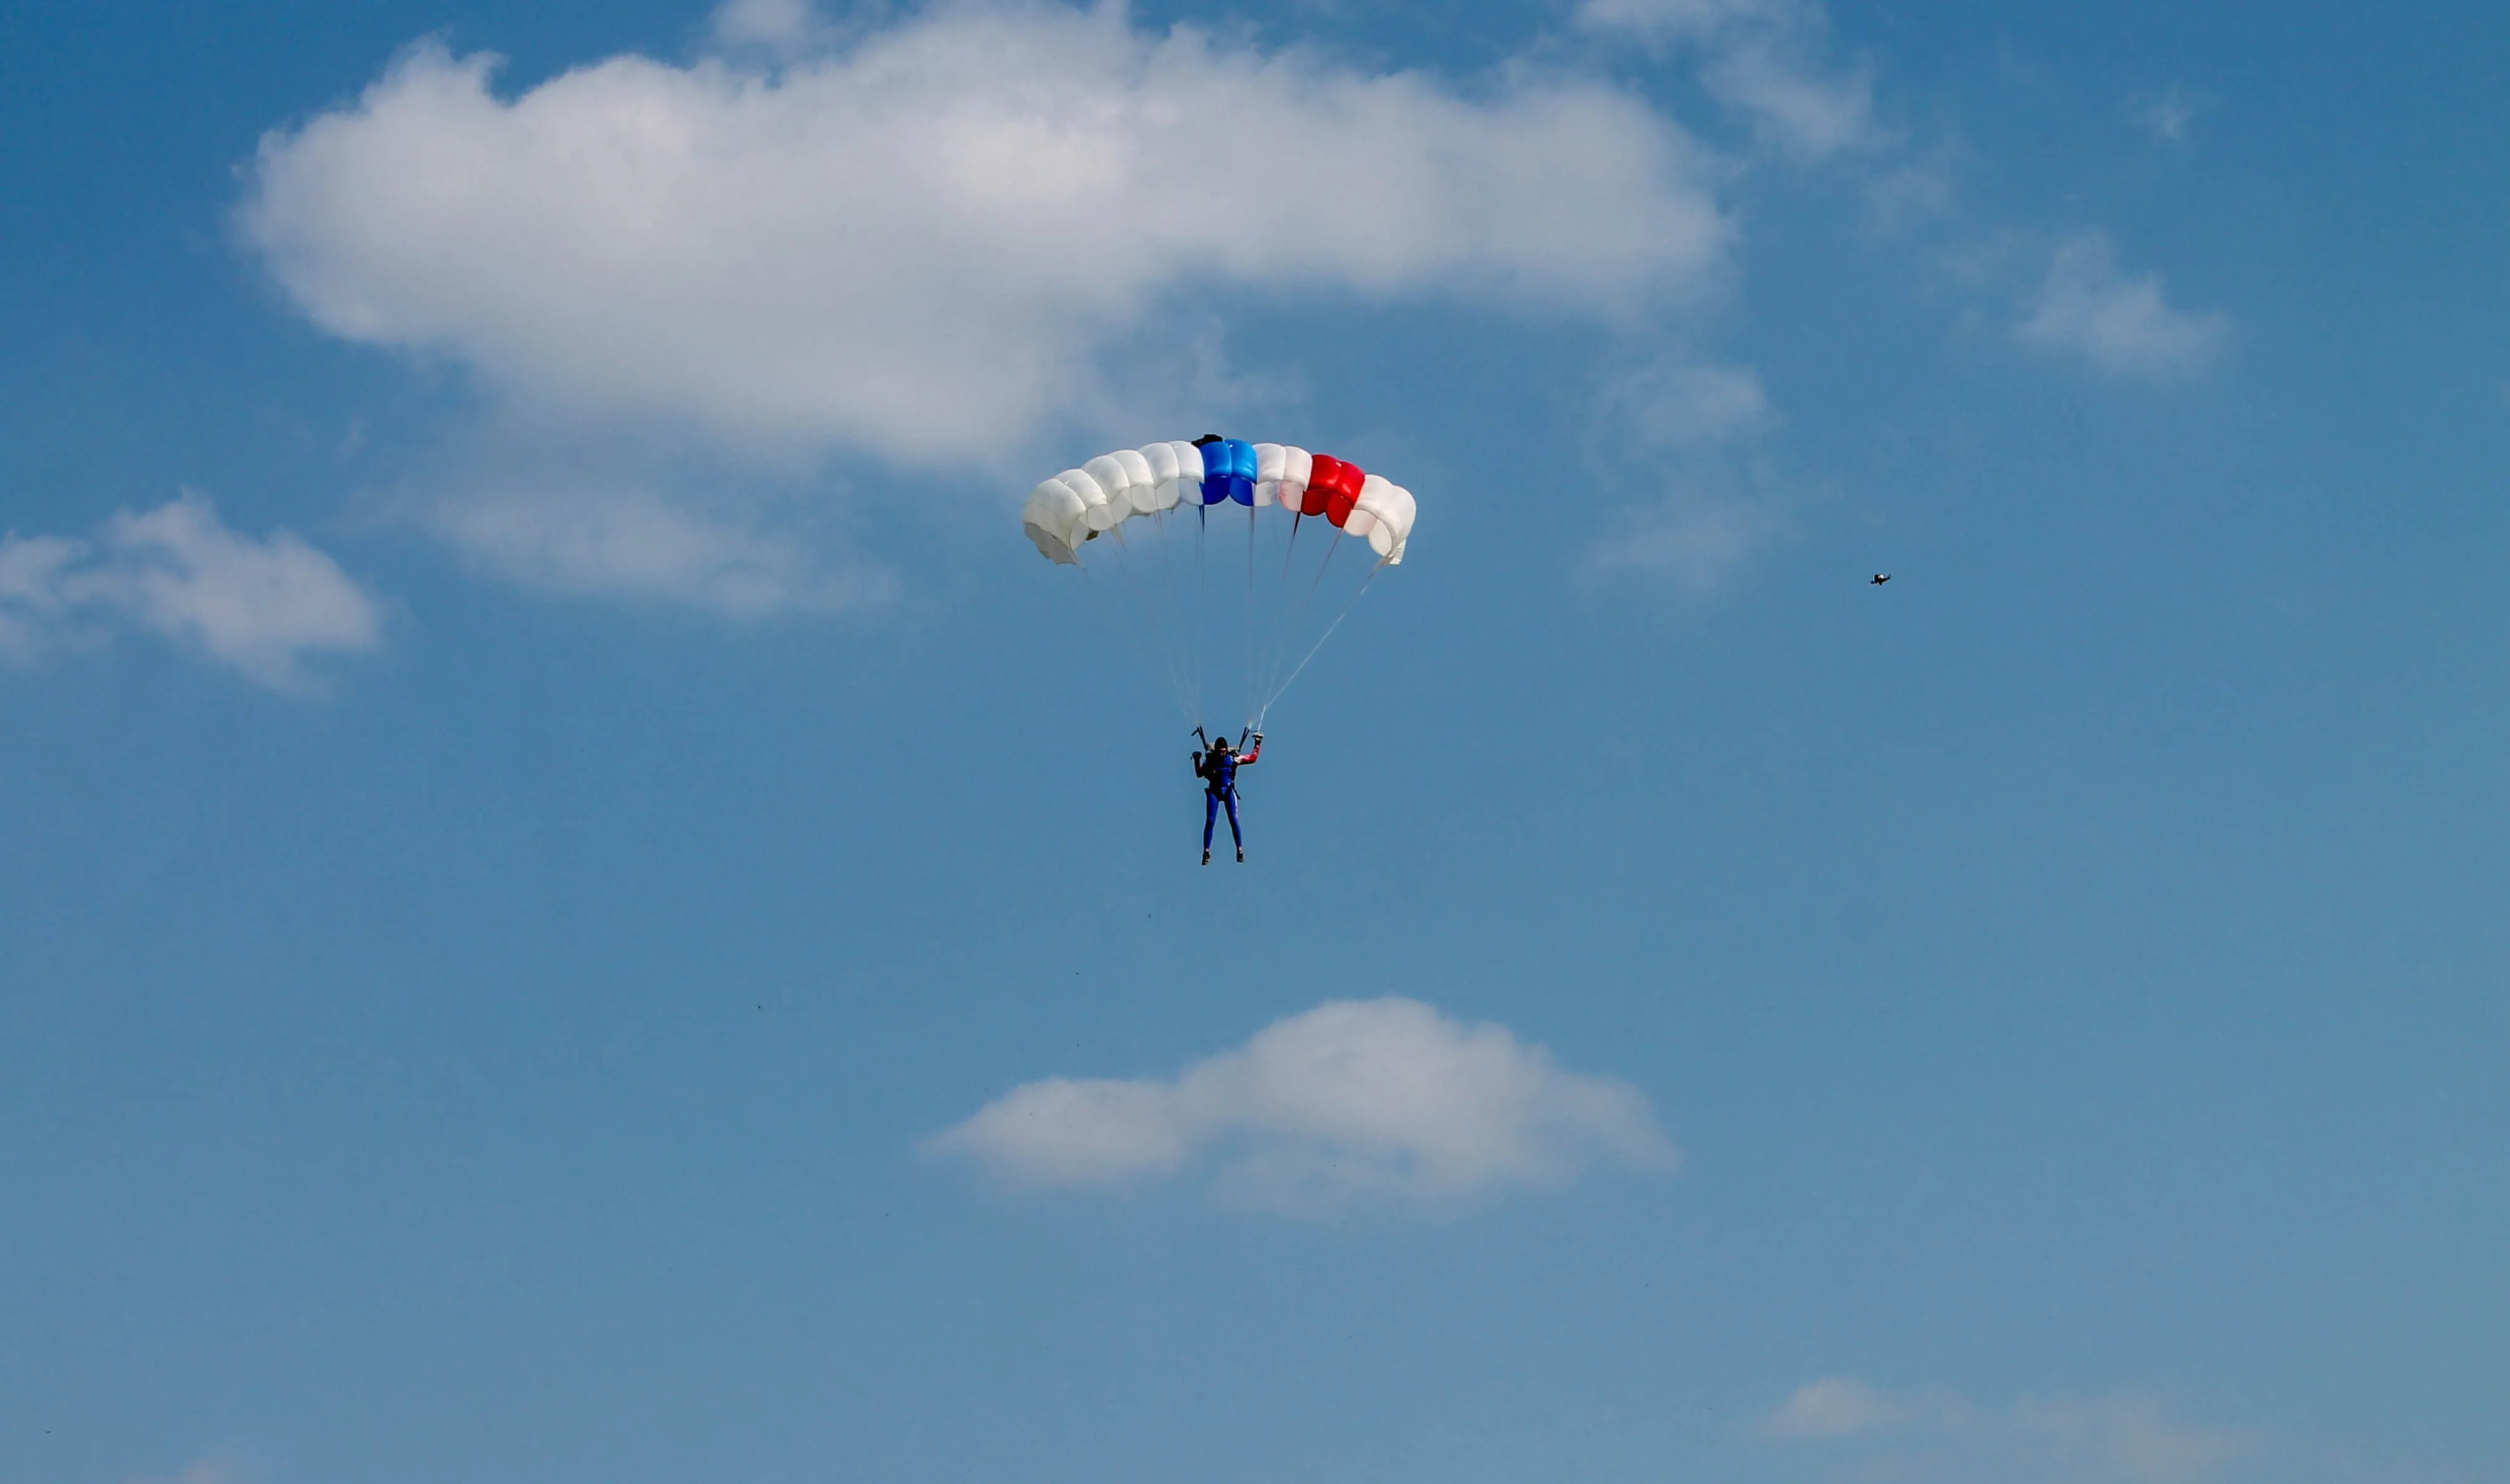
x=192, y=1473
x=2165, y=113
x=783, y=28
x=1940, y=1437
x=1765, y=58
x=263, y=607
x=1808, y=111
x=579, y=517
x=2090, y=309
x=1658, y=20
x=1694, y=533
x=1838, y=1406
x=1691, y=435
x=1352, y=1102
x=1680, y=402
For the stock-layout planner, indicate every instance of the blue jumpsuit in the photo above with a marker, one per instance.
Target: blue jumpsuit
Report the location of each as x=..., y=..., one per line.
x=1219, y=773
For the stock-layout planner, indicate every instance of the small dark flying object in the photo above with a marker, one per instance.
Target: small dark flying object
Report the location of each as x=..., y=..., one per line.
x=1880, y=577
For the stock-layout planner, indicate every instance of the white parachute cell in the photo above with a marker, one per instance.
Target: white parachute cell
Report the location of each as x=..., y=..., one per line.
x=1093, y=498
x=1393, y=530
x=1160, y=464
x=1112, y=478
x=1050, y=518
x=1108, y=477
x=1140, y=488
x=1384, y=514
x=1189, y=474
x=1267, y=472
x=1296, y=464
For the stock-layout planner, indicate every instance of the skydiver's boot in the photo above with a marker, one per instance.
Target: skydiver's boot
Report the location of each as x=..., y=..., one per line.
x=1206, y=855
x=1241, y=855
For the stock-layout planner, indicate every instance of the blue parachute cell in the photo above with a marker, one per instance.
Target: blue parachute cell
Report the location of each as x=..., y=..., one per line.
x=1229, y=471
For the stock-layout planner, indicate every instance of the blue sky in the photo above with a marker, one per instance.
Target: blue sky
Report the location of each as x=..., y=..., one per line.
x=581, y=906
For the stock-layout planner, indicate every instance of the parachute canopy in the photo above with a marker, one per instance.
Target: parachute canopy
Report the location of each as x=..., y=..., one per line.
x=1171, y=513
x=1079, y=504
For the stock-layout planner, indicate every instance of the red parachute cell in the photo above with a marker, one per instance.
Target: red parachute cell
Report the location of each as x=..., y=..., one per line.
x=1320, y=482
x=1332, y=490
x=1345, y=494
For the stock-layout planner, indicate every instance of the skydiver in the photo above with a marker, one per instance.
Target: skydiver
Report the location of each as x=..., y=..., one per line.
x=1880, y=577
x=1218, y=770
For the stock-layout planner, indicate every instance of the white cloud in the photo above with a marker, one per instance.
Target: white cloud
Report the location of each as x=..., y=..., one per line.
x=1941, y=1438
x=1352, y=1101
x=927, y=242
x=262, y=606
x=2087, y=307
x=867, y=249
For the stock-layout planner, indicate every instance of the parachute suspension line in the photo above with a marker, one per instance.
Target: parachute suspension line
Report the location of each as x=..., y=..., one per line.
x=1168, y=682
x=1289, y=624
x=1202, y=634
x=1277, y=641
x=1163, y=621
x=1164, y=601
x=1247, y=620
x=1321, y=638
x=1296, y=621
x=1123, y=569
x=1149, y=604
